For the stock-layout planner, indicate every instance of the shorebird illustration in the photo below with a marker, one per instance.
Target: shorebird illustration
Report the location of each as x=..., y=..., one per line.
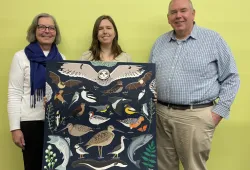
x=77, y=130
x=132, y=122
x=96, y=119
x=119, y=148
x=129, y=110
x=102, y=108
x=80, y=151
x=102, y=138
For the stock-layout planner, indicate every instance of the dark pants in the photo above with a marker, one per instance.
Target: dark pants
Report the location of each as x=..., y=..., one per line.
x=33, y=152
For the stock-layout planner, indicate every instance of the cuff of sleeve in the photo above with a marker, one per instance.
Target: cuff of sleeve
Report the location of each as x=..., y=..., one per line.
x=14, y=123
x=222, y=111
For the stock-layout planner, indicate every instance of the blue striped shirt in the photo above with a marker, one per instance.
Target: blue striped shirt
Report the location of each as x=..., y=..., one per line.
x=197, y=70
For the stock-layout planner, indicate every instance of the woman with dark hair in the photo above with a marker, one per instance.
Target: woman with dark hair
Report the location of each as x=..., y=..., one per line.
x=27, y=88
x=104, y=44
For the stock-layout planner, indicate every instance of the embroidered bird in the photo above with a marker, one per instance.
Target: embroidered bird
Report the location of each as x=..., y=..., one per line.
x=141, y=94
x=143, y=128
x=119, y=148
x=129, y=110
x=103, y=77
x=96, y=119
x=79, y=110
x=115, y=89
x=118, y=104
x=80, y=151
x=56, y=80
x=140, y=83
x=75, y=98
x=132, y=123
x=59, y=97
x=87, y=95
x=145, y=109
x=77, y=130
x=101, y=108
x=102, y=138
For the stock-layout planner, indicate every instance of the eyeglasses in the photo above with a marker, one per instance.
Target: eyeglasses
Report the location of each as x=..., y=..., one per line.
x=43, y=28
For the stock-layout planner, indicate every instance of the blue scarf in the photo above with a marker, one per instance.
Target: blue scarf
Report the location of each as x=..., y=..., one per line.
x=37, y=69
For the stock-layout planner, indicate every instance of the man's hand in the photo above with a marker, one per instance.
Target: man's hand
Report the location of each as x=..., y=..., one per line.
x=18, y=139
x=217, y=118
x=155, y=98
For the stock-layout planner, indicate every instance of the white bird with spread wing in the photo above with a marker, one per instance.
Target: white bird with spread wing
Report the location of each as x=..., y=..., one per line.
x=102, y=77
x=87, y=95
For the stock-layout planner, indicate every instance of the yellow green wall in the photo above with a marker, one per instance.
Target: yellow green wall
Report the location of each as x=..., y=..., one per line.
x=139, y=23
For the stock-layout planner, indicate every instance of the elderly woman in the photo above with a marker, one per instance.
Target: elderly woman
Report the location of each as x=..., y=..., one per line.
x=104, y=44
x=27, y=88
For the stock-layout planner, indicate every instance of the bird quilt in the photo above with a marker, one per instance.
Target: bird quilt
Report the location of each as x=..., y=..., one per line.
x=100, y=115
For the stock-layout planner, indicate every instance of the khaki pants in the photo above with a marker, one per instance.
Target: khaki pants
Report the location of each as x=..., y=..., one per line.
x=183, y=135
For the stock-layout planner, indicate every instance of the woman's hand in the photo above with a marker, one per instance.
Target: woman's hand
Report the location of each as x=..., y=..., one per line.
x=18, y=139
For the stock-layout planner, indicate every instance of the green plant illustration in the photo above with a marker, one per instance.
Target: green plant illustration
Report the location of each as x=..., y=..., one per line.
x=151, y=113
x=50, y=117
x=149, y=156
x=50, y=158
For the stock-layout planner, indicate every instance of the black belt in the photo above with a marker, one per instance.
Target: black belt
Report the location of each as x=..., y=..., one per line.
x=185, y=107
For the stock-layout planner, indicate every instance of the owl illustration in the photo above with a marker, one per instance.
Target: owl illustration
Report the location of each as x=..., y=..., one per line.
x=103, y=77
x=103, y=74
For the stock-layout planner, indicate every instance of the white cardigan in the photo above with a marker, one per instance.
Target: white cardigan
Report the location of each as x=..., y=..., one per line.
x=19, y=92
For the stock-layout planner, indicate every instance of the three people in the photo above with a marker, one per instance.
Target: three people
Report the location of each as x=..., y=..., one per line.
x=26, y=88
x=196, y=63
x=195, y=67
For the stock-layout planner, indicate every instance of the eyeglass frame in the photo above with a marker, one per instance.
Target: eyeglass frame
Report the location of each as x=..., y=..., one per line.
x=50, y=28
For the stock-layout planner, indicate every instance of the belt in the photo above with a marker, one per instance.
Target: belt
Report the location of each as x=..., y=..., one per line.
x=185, y=107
